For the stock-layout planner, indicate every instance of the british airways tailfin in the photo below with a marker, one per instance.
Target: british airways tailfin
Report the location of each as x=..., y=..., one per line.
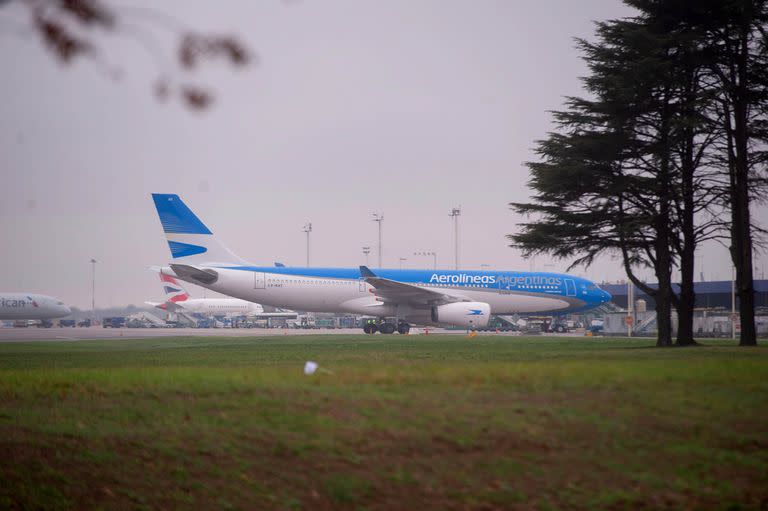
x=174, y=292
x=189, y=240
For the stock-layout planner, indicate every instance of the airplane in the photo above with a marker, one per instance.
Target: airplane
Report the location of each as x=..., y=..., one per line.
x=178, y=300
x=463, y=298
x=31, y=306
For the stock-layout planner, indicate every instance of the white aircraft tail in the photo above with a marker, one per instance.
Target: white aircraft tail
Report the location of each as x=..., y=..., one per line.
x=189, y=240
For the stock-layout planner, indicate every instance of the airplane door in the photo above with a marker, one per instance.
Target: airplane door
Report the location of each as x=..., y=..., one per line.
x=259, y=280
x=361, y=285
x=570, y=287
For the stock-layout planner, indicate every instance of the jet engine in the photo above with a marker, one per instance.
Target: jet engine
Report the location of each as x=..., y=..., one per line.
x=466, y=314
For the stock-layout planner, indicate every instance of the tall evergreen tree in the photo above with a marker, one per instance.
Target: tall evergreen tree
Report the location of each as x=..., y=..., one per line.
x=645, y=124
x=736, y=35
x=698, y=182
x=606, y=180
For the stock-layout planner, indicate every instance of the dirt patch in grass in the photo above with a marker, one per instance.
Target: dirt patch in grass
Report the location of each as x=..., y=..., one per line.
x=456, y=465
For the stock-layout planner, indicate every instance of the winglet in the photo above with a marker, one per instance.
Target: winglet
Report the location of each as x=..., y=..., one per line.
x=366, y=272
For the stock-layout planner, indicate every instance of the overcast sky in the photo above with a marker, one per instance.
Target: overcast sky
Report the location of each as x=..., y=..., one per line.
x=408, y=108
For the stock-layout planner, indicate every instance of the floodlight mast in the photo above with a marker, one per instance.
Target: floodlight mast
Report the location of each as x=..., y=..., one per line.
x=455, y=214
x=379, y=218
x=307, y=229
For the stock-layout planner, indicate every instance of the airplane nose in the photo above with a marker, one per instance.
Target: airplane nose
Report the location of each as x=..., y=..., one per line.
x=605, y=297
x=66, y=310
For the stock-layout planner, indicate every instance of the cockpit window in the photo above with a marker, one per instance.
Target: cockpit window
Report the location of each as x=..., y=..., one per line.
x=592, y=287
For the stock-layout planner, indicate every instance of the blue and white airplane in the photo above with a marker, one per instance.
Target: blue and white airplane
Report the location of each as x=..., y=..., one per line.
x=422, y=297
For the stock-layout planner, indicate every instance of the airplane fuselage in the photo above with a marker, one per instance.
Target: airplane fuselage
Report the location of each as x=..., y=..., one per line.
x=31, y=306
x=344, y=290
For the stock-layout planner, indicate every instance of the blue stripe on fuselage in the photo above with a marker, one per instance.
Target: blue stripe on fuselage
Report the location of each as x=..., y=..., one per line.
x=538, y=282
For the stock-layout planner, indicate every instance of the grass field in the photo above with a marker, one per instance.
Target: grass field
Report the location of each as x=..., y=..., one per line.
x=439, y=422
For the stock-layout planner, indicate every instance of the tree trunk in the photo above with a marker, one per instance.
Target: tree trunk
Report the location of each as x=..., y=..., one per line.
x=663, y=263
x=663, y=296
x=741, y=251
x=687, y=299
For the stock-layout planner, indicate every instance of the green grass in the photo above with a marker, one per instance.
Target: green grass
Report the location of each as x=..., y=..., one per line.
x=437, y=422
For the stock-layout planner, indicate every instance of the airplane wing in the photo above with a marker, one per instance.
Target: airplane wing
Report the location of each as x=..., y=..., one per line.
x=400, y=292
x=267, y=315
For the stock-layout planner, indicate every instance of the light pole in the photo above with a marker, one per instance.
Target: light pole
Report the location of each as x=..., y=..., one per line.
x=401, y=262
x=93, y=287
x=455, y=213
x=366, y=251
x=429, y=253
x=379, y=218
x=307, y=229
x=733, y=303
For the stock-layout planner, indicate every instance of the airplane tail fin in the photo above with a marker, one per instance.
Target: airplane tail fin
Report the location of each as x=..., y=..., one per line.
x=189, y=240
x=174, y=292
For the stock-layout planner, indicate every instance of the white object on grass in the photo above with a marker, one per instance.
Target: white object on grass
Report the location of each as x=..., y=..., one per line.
x=310, y=368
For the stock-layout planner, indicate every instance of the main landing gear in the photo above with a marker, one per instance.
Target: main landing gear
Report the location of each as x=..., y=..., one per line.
x=372, y=326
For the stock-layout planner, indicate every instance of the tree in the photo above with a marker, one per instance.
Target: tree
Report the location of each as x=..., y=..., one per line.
x=72, y=29
x=640, y=195
x=736, y=37
x=699, y=184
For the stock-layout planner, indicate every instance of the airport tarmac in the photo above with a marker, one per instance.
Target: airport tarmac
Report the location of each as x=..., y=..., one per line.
x=92, y=333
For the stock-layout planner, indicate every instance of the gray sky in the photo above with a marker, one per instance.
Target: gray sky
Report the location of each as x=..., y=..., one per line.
x=407, y=108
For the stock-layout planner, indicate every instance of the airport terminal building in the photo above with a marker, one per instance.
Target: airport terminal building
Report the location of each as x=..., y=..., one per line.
x=712, y=316
x=709, y=295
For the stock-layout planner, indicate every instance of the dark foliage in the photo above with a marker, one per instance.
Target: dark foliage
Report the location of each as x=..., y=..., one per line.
x=73, y=29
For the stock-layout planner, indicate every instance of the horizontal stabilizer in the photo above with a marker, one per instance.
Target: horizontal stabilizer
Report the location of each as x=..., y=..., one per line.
x=166, y=306
x=186, y=272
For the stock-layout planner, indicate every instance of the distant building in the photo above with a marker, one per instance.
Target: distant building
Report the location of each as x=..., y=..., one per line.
x=708, y=294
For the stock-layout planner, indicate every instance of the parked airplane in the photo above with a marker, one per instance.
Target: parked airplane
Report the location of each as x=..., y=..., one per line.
x=178, y=300
x=423, y=297
x=31, y=306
